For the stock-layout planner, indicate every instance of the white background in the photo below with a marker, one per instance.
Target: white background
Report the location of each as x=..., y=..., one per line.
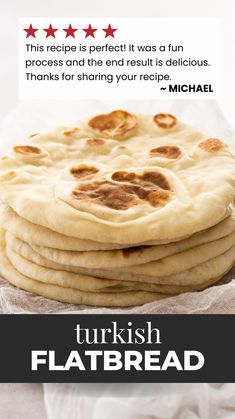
x=199, y=45
x=12, y=9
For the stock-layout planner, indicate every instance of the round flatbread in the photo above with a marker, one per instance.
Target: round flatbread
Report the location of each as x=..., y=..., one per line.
x=40, y=269
x=121, y=178
x=196, y=278
x=164, y=259
x=71, y=295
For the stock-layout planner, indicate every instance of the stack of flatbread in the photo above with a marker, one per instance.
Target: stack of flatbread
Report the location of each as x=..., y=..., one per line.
x=117, y=210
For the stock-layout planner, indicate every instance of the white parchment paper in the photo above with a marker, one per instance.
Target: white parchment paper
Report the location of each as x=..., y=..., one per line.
x=191, y=401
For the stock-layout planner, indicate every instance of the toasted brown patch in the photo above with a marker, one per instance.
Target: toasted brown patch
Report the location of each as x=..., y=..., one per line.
x=4, y=157
x=114, y=124
x=122, y=176
x=95, y=142
x=130, y=250
x=157, y=178
x=71, y=131
x=83, y=171
x=165, y=120
x=211, y=145
x=132, y=189
x=27, y=149
x=167, y=151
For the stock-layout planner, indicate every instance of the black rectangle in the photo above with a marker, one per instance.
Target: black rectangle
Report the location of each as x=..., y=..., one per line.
x=211, y=335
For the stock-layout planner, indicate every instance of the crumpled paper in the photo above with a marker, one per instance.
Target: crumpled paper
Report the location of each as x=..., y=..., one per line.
x=140, y=401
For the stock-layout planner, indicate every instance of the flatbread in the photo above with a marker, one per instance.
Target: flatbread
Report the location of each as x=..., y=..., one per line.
x=169, y=265
x=79, y=184
x=196, y=278
x=71, y=295
x=42, y=236
x=65, y=278
x=118, y=210
x=213, y=268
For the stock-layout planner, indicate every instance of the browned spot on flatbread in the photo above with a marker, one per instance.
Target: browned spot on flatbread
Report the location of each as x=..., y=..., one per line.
x=114, y=124
x=167, y=151
x=83, y=171
x=4, y=157
x=95, y=142
x=125, y=190
x=122, y=176
x=211, y=145
x=71, y=131
x=27, y=149
x=157, y=178
x=130, y=250
x=165, y=120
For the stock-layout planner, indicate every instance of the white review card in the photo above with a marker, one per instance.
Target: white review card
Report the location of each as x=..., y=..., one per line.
x=118, y=58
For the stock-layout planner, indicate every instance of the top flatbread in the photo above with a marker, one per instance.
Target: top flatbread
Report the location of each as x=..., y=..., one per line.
x=121, y=178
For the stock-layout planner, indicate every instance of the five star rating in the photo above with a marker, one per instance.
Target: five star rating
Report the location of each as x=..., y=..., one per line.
x=70, y=31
